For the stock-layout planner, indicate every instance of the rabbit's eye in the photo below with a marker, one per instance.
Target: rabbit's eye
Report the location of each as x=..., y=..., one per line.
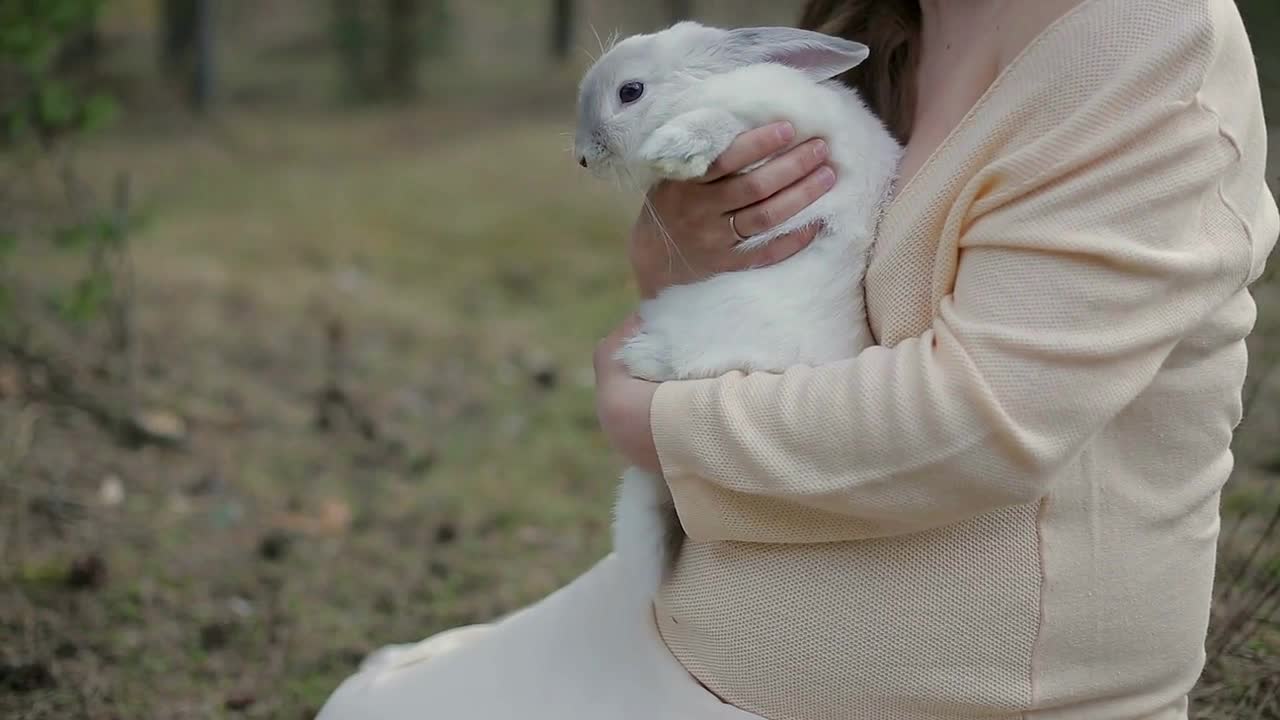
x=630, y=92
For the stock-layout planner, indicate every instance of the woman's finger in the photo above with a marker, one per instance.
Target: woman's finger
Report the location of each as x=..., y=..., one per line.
x=750, y=147
x=779, y=173
x=778, y=249
x=785, y=204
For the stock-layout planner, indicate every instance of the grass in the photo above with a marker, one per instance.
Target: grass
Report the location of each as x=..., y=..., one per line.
x=470, y=271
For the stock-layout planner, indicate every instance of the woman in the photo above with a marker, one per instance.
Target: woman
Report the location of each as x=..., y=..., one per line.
x=1016, y=493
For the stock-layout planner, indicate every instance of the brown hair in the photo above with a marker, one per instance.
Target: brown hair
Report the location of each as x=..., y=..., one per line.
x=891, y=28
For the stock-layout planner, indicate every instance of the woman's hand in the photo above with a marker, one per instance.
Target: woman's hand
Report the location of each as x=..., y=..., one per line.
x=696, y=214
x=622, y=402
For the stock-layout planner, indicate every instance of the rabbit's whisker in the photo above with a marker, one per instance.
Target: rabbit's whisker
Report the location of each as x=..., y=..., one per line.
x=673, y=249
x=597, y=34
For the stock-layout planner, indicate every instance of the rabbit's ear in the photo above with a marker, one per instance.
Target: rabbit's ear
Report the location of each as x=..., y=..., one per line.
x=819, y=55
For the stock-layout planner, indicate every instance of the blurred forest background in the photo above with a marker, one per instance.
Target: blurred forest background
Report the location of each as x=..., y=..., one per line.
x=297, y=301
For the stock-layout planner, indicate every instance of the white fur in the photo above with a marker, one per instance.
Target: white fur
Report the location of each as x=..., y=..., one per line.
x=640, y=525
x=805, y=310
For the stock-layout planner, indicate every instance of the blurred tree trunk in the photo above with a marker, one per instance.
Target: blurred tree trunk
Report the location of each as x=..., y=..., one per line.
x=562, y=17
x=82, y=50
x=187, y=48
x=678, y=10
x=403, y=48
x=382, y=44
x=202, y=72
x=351, y=36
x=177, y=32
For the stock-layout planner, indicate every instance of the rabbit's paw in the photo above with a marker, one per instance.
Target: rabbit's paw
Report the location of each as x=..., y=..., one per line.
x=678, y=153
x=645, y=357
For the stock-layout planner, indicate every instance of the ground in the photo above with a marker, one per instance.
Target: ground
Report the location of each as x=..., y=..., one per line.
x=376, y=328
x=458, y=292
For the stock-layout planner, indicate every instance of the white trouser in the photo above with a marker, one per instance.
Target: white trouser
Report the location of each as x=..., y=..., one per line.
x=582, y=652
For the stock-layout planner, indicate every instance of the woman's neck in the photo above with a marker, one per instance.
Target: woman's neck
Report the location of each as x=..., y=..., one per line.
x=955, y=24
x=958, y=61
x=965, y=44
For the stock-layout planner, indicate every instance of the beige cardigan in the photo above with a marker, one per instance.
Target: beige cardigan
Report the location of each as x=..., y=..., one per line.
x=1009, y=508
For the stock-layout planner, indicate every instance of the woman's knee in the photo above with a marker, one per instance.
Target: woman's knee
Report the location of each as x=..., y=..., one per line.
x=353, y=700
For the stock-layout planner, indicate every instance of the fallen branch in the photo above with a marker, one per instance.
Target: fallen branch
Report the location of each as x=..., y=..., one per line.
x=60, y=388
x=332, y=399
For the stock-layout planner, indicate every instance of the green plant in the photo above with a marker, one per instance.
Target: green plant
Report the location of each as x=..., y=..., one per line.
x=42, y=110
x=36, y=103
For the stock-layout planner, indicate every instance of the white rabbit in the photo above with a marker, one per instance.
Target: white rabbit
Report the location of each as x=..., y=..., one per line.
x=667, y=104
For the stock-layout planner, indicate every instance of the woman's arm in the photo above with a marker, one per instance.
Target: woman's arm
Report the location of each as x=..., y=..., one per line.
x=1073, y=286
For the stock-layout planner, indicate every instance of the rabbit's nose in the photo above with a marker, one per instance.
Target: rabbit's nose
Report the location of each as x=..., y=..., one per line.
x=582, y=160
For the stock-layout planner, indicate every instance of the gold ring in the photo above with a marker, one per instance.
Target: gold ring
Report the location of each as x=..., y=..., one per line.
x=733, y=228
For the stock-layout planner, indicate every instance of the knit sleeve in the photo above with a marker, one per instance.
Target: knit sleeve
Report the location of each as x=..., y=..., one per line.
x=1073, y=285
